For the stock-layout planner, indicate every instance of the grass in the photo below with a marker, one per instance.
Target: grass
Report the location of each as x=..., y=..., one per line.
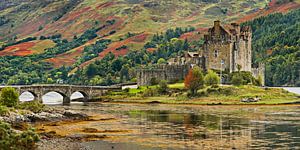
x=40, y=46
x=176, y=86
x=220, y=95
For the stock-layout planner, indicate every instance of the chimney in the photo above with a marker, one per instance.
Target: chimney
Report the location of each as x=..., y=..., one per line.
x=217, y=27
x=236, y=27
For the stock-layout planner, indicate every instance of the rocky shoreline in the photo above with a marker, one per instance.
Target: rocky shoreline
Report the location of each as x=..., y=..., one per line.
x=51, y=114
x=20, y=119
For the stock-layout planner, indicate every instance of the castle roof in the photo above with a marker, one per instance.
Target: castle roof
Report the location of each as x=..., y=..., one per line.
x=193, y=54
x=230, y=29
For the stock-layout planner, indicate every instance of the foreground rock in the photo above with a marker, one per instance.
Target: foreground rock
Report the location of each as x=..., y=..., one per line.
x=250, y=100
x=20, y=116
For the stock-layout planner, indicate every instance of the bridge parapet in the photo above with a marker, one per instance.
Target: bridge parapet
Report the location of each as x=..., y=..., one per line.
x=65, y=90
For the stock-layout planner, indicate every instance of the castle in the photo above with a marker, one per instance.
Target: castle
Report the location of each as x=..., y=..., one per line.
x=226, y=48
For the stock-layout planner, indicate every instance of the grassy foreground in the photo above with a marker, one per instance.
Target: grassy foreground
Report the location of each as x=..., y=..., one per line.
x=230, y=95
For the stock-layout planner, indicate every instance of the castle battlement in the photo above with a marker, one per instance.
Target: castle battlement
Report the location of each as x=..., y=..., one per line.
x=226, y=47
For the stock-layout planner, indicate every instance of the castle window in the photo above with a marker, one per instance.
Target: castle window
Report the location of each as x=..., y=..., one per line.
x=216, y=53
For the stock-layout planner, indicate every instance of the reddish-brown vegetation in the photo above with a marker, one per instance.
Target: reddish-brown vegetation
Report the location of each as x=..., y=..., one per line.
x=195, y=35
x=151, y=49
x=66, y=59
x=189, y=79
x=105, y=5
x=273, y=7
x=70, y=57
x=194, y=80
x=75, y=14
x=22, y=49
x=113, y=46
x=132, y=40
x=119, y=24
x=269, y=51
x=70, y=24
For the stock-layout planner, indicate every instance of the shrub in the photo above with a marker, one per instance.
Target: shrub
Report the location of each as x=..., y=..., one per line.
x=221, y=90
x=214, y=86
x=202, y=93
x=150, y=92
x=242, y=78
x=161, y=61
x=163, y=87
x=112, y=32
x=213, y=90
x=227, y=91
x=237, y=80
x=9, y=97
x=34, y=106
x=154, y=81
x=211, y=78
x=13, y=140
x=194, y=80
x=3, y=110
x=126, y=90
x=259, y=81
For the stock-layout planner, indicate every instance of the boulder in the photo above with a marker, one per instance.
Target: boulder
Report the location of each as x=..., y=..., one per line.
x=75, y=115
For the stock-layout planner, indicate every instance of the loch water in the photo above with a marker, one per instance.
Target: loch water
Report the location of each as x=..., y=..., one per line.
x=160, y=126
x=173, y=127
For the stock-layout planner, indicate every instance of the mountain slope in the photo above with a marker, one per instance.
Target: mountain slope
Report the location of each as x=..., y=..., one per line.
x=73, y=17
x=62, y=36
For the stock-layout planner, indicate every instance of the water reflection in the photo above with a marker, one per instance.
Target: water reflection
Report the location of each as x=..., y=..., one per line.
x=26, y=96
x=282, y=132
x=52, y=98
x=189, y=127
x=241, y=128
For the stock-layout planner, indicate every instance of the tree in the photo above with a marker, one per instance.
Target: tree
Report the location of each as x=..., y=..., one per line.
x=97, y=80
x=125, y=72
x=12, y=140
x=91, y=70
x=163, y=87
x=9, y=97
x=211, y=78
x=161, y=61
x=194, y=80
x=237, y=79
x=259, y=81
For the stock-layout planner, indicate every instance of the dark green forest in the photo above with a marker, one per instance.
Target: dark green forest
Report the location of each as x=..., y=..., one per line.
x=276, y=42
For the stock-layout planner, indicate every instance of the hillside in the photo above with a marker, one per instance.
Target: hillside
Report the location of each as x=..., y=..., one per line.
x=64, y=36
x=23, y=18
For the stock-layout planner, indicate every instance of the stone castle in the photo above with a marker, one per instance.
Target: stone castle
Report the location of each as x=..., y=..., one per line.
x=226, y=48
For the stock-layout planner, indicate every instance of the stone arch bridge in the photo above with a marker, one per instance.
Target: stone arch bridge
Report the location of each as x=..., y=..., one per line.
x=66, y=91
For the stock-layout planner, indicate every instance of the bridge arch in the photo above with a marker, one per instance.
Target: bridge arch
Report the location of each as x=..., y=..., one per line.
x=79, y=95
x=58, y=97
x=27, y=96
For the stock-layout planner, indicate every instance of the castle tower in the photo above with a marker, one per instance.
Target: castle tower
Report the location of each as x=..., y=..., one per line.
x=227, y=47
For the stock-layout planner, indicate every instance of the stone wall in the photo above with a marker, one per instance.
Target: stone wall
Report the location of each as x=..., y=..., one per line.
x=259, y=71
x=144, y=76
x=162, y=72
x=231, y=45
x=223, y=53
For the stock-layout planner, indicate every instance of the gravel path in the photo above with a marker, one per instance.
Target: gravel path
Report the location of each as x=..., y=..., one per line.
x=60, y=144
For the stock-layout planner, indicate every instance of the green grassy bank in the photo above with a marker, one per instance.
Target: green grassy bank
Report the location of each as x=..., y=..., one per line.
x=230, y=95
